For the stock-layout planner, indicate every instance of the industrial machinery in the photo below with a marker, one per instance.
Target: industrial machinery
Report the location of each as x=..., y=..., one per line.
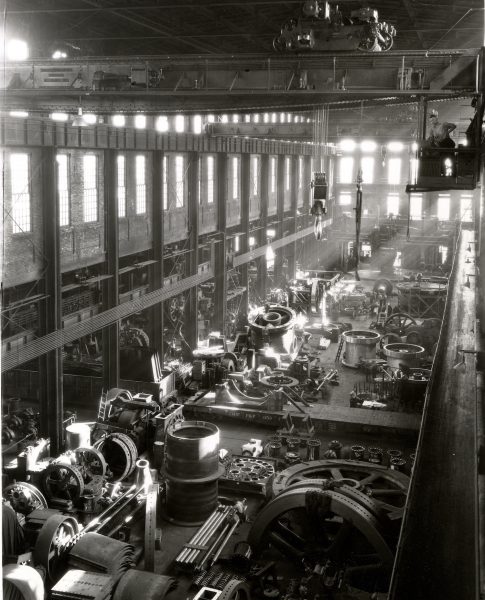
x=322, y=26
x=319, y=208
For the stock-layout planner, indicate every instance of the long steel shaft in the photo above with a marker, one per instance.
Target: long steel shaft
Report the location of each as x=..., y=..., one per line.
x=208, y=535
x=224, y=541
x=199, y=534
x=96, y=522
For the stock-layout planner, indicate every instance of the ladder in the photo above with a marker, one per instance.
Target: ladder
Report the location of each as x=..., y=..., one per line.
x=382, y=316
x=103, y=405
x=339, y=349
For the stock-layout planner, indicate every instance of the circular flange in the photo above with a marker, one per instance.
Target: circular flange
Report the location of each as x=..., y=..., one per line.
x=24, y=497
x=90, y=462
x=120, y=454
x=279, y=381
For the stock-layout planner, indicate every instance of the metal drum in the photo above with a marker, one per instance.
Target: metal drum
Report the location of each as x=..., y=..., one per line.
x=273, y=325
x=78, y=435
x=399, y=354
x=359, y=346
x=192, y=471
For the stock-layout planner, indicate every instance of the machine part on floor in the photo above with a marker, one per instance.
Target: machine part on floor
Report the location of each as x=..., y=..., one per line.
x=399, y=323
x=151, y=585
x=120, y=454
x=307, y=522
x=22, y=581
x=24, y=497
x=313, y=449
x=143, y=476
x=116, y=507
x=191, y=470
x=278, y=381
x=18, y=425
x=397, y=464
x=207, y=593
x=292, y=458
x=375, y=455
x=52, y=543
x=422, y=299
x=359, y=345
x=358, y=452
x=235, y=590
x=77, y=583
x=93, y=551
x=252, y=448
x=403, y=356
x=150, y=527
x=274, y=449
x=389, y=338
x=62, y=482
x=90, y=462
x=273, y=325
x=78, y=435
x=292, y=444
x=383, y=285
x=394, y=454
x=245, y=474
x=378, y=481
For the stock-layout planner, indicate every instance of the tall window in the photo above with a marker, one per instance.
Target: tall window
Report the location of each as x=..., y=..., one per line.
x=367, y=166
x=90, y=188
x=180, y=123
x=179, y=181
x=300, y=172
x=466, y=208
x=443, y=207
x=141, y=187
x=165, y=182
x=393, y=204
x=121, y=185
x=344, y=198
x=287, y=173
x=63, y=189
x=346, y=169
x=235, y=177
x=210, y=180
x=255, y=175
x=416, y=206
x=273, y=174
x=19, y=175
x=413, y=170
x=394, y=172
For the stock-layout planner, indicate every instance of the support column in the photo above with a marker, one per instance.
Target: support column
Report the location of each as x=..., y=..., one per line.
x=263, y=222
x=111, y=359
x=51, y=405
x=244, y=238
x=156, y=313
x=219, y=246
x=192, y=260
x=280, y=215
x=291, y=248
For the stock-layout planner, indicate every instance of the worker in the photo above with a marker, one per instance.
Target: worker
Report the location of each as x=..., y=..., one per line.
x=439, y=133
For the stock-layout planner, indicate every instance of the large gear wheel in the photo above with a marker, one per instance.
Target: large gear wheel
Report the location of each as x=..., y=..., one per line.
x=64, y=482
x=24, y=497
x=235, y=590
x=52, y=543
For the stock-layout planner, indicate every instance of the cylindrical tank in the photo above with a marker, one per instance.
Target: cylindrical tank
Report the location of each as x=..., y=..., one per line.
x=192, y=471
x=273, y=325
x=78, y=435
x=313, y=449
x=399, y=354
x=359, y=345
x=423, y=298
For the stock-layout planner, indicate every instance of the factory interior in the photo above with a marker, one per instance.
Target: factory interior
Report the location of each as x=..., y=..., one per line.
x=243, y=319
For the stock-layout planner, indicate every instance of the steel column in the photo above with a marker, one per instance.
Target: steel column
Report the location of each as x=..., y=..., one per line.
x=156, y=338
x=280, y=215
x=244, y=237
x=50, y=364
x=219, y=245
x=111, y=339
x=263, y=221
x=192, y=257
x=291, y=249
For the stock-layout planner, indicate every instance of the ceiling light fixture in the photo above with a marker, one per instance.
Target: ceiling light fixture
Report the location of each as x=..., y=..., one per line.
x=79, y=120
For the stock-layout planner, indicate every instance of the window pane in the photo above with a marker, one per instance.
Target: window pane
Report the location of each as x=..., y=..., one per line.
x=287, y=173
x=346, y=169
x=179, y=181
x=180, y=123
x=367, y=166
x=466, y=208
x=416, y=206
x=210, y=180
x=162, y=123
x=255, y=175
x=19, y=175
x=235, y=177
x=443, y=207
x=141, y=191
x=300, y=172
x=393, y=204
x=63, y=188
x=394, y=172
x=273, y=174
x=90, y=199
x=344, y=198
x=121, y=186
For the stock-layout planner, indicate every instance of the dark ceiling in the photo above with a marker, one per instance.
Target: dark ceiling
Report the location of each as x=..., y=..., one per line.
x=151, y=27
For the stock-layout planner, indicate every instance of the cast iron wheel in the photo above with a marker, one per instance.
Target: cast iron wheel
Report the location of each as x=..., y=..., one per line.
x=399, y=323
x=326, y=525
x=24, y=497
x=90, y=462
x=63, y=482
x=52, y=543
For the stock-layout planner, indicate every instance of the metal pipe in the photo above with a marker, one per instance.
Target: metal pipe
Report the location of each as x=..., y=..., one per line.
x=97, y=521
x=224, y=543
x=195, y=538
x=216, y=517
x=207, y=536
x=213, y=546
